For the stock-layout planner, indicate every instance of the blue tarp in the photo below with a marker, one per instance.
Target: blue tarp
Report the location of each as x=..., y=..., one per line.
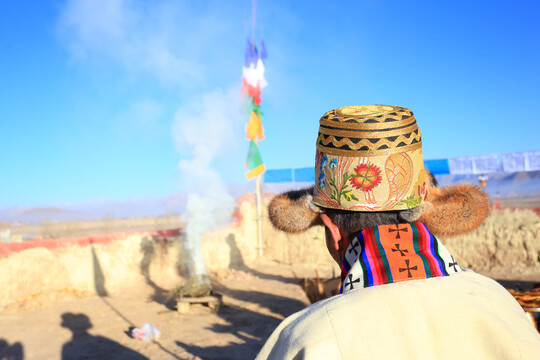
x=438, y=167
x=304, y=174
x=276, y=176
x=290, y=175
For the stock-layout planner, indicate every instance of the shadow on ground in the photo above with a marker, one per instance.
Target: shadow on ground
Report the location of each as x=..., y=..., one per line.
x=86, y=346
x=11, y=352
x=249, y=327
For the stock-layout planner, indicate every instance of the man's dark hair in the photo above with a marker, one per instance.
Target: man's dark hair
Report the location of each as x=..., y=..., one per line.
x=352, y=222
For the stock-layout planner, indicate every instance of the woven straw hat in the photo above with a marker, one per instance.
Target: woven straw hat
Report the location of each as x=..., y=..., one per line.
x=369, y=158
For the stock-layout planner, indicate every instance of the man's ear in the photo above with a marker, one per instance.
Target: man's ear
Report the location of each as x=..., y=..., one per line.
x=294, y=211
x=334, y=230
x=454, y=210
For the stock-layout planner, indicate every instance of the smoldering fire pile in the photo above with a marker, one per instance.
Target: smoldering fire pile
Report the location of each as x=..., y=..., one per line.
x=203, y=212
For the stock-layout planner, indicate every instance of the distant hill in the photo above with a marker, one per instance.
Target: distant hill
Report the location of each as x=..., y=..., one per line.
x=38, y=214
x=100, y=208
x=96, y=209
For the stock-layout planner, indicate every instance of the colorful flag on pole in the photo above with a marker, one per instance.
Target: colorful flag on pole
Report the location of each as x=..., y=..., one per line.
x=254, y=162
x=252, y=82
x=254, y=129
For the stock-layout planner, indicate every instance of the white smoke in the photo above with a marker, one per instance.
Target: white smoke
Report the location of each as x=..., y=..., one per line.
x=204, y=130
x=175, y=43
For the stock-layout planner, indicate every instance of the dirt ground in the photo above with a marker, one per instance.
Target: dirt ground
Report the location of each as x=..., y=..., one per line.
x=255, y=300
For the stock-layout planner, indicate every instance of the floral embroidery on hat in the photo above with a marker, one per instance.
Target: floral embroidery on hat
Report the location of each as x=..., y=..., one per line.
x=333, y=174
x=367, y=177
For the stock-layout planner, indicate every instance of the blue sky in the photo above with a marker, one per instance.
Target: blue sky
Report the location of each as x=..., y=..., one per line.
x=132, y=99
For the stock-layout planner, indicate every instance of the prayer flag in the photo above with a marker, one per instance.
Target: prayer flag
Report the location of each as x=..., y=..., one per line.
x=251, y=55
x=254, y=74
x=254, y=162
x=264, y=54
x=254, y=129
x=250, y=107
x=252, y=92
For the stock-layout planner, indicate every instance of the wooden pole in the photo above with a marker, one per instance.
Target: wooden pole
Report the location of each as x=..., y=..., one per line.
x=259, y=217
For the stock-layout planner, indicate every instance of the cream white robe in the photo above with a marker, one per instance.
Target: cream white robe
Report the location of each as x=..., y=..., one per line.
x=462, y=316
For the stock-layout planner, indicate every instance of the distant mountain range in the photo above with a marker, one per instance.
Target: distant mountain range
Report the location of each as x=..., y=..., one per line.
x=108, y=208
x=95, y=209
x=516, y=186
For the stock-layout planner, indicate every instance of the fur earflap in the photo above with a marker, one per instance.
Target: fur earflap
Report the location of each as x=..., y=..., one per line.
x=455, y=210
x=294, y=211
x=447, y=211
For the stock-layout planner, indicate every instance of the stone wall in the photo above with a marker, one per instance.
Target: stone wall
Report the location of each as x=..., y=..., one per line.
x=105, y=264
